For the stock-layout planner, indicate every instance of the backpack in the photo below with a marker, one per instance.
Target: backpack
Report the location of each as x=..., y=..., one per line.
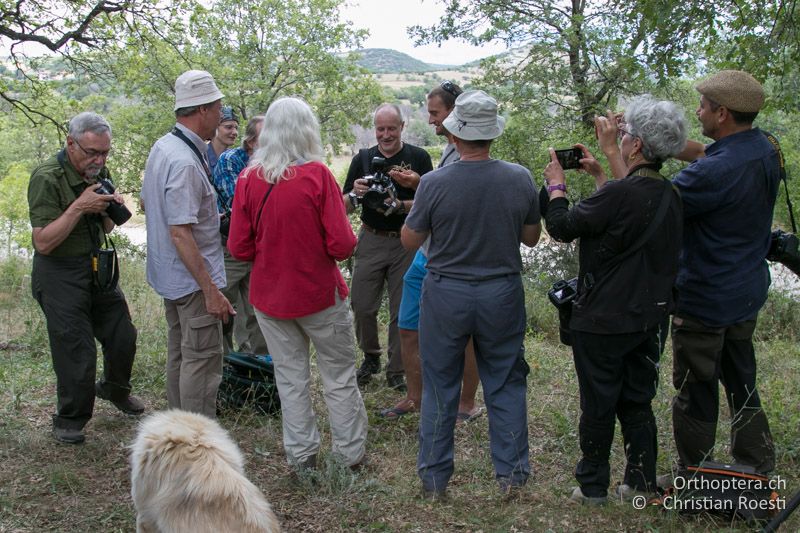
x=248, y=379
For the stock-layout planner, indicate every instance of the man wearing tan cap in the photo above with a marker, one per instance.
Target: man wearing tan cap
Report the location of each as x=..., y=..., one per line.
x=184, y=251
x=728, y=194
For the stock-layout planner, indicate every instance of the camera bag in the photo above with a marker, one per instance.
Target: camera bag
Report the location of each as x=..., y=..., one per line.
x=248, y=380
x=564, y=293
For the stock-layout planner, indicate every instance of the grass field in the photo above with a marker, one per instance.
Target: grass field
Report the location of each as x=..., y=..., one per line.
x=45, y=486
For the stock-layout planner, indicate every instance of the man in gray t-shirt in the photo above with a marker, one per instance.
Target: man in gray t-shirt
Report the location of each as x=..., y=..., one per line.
x=477, y=211
x=184, y=249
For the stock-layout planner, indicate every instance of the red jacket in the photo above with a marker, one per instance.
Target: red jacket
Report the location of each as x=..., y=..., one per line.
x=295, y=240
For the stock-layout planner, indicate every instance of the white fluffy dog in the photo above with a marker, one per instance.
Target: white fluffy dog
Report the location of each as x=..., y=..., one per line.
x=187, y=476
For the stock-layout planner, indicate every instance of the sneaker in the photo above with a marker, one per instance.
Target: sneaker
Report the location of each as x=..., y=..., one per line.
x=68, y=435
x=396, y=382
x=664, y=481
x=370, y=366
x=130, y=405
x=577, y=496
x=626, y=493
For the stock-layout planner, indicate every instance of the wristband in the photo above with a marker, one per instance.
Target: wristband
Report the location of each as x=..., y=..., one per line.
x=557, y=187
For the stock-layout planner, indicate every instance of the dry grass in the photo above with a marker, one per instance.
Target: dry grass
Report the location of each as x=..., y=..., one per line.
x=45, y=486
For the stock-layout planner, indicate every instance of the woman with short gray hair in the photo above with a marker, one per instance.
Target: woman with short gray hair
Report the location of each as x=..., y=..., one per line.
x=630, y=233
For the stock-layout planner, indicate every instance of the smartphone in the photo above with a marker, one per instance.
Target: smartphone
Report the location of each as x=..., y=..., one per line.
x=569, y=158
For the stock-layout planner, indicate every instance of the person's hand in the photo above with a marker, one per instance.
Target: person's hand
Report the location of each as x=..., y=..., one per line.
x=118, y=198
x=553, y=173
x=606, y=129
x=217, y=305
x=589, y=163
x=406, y=177
x=360, y=186
x=91, y=202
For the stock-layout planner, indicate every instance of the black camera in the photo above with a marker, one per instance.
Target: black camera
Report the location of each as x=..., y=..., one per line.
x=381, y=187
x=116, y=212
x=784, y=249
x=562, y=294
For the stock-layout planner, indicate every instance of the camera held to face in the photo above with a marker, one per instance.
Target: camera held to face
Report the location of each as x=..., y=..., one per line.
x=116, y=212
x=381, y=188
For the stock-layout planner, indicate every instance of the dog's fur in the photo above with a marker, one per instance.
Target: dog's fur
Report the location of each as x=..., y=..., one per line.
x=187, y=476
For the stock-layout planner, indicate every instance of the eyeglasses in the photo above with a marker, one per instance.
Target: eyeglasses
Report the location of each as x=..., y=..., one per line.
x=450, y=87
x=93, y=154
x=622, y=131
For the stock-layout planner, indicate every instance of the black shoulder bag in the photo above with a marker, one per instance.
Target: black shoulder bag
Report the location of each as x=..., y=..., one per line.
x=784, y=246
x=564, y=292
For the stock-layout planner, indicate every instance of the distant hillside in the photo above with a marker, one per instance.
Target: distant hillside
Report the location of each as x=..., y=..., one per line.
x=383, y=60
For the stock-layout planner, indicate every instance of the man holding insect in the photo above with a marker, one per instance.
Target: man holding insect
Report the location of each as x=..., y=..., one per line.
x=379, y=257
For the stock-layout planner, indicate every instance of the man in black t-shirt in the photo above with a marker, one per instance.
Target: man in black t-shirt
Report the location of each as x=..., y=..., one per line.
x=379, y=256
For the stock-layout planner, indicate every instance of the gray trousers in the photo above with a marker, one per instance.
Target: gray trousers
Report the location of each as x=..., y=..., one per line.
x=244, y=326
x=378, y=260
x=331, y=331
x=194, y=355
x=492, y=312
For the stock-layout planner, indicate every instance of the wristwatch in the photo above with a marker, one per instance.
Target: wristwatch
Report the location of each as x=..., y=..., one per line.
x=353, y=198
x=557, y=187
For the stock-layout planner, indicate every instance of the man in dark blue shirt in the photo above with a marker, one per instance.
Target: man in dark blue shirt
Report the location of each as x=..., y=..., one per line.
x=729, y=194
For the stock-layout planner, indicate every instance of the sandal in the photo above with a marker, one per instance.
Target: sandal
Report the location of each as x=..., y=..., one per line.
x=469, y=416
x=403, y=407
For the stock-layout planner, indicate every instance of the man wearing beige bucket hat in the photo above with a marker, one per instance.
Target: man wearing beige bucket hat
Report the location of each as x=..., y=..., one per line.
x=728, y=194
x=184, y=252
x=473, y=289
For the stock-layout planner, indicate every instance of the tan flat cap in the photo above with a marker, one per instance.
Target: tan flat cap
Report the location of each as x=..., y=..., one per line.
x=734, y=89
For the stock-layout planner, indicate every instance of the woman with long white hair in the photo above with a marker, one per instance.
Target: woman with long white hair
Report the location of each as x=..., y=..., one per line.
x=289, y=219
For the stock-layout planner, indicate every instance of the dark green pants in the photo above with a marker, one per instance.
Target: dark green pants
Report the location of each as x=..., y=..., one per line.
x=77, y=313
x=703, y=357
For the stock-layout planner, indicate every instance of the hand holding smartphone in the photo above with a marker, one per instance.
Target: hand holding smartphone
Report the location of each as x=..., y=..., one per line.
x=569, y=158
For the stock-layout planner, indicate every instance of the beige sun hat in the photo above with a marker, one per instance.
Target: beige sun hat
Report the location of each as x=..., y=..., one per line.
x=195, y=87
x=474, y=117
x=734, y=89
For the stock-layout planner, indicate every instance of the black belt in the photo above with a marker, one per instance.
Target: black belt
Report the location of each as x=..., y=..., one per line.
x=382, y=233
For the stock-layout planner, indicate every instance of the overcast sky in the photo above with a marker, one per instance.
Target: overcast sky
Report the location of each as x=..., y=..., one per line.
x=387, y=22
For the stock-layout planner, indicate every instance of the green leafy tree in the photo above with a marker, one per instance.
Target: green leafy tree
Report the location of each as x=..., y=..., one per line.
x=572, y=59
x=31, y=29
x=257, y=52
x=14, y=208
x=762, y=38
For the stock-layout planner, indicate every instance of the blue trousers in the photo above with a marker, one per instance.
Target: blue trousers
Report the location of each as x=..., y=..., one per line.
x=493, y=313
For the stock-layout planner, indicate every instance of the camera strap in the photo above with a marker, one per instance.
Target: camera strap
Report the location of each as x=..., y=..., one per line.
x=203, y=162
x=261, y=205
x=589, y=278
x=782, y=164
x=363, y=154
x=105, y=265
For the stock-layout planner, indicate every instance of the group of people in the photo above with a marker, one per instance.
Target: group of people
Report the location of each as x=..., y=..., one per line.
x=450, y=259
